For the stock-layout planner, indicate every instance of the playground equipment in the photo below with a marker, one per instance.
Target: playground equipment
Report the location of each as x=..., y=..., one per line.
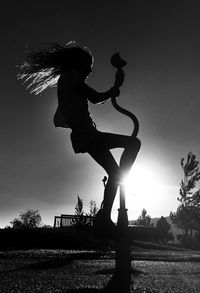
x=123, y=242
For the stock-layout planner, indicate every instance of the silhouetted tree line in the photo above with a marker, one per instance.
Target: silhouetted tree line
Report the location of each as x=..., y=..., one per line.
x=162, y=226
x=31, y=219
x=187, y=216
x=28, y=219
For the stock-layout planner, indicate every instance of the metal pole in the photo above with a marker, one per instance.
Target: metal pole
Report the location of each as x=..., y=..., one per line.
x=123, y=243
x=123, y=247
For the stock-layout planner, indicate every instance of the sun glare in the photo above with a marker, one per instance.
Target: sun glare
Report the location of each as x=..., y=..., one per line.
x=143, y=189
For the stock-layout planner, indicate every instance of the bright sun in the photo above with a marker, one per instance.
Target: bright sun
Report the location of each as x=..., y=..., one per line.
x=143, y=189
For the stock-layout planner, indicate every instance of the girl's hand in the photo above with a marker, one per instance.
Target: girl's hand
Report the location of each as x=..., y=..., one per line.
x=117, y=61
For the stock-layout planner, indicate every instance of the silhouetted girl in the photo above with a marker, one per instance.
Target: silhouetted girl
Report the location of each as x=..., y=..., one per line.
x=68, y=67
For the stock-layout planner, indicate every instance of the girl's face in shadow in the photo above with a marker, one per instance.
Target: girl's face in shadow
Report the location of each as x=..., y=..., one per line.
x=86, y=70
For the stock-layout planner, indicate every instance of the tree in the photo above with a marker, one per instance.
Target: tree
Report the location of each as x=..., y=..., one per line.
x=93, y=208
x=187, y=216
x=144, y=219
x=79, y=221
x=28, y=219
x=16, y=223
x=164, y=228
x=79, y=207
x=182, y=218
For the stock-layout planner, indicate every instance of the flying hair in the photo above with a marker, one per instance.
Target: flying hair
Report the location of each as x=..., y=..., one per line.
x=42, y=68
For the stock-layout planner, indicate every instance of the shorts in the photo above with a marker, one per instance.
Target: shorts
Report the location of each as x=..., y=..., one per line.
x=81, y=138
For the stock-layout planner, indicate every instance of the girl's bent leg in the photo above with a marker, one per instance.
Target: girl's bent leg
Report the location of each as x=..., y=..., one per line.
x=99, y=151
x=129, y=155
x=130, y=144
x=110, y=141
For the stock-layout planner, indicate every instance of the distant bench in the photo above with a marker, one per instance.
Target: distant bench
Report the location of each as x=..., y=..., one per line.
x=70, y=220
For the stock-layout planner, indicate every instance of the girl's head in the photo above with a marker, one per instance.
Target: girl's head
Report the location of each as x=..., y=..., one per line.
x=42, y=68
x=76, y=57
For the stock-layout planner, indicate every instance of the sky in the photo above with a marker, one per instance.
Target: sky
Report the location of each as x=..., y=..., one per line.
x=161, y=42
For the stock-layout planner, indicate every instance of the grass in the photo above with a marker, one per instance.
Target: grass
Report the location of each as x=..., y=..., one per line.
x=71, y=261
x=92, y=271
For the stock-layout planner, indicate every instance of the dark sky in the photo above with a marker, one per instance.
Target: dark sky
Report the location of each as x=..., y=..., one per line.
x=161, y=42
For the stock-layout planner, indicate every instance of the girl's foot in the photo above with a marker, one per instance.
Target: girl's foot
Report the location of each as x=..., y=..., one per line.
x=103, y=226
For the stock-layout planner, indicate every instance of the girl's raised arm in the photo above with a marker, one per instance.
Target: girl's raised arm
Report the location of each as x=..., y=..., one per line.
x=98, y=97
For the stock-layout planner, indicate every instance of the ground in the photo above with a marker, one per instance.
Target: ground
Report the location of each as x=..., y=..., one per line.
x=63, y=271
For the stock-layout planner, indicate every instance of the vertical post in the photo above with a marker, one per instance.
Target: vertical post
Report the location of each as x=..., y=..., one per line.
x=122, y=221
x=123, y=246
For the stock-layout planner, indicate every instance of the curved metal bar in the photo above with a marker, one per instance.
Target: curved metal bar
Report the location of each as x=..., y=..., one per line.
x=119, y=63
x=129, y=114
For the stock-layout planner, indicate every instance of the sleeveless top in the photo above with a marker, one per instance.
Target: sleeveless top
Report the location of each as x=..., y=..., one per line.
x=73, y=113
